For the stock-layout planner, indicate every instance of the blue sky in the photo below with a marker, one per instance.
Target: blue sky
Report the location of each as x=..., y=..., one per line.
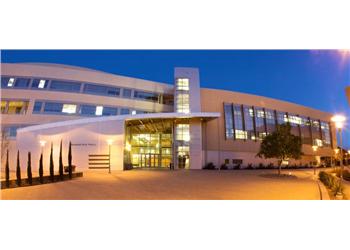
x=312, y=78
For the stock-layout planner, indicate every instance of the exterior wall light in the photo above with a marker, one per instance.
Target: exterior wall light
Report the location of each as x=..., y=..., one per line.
x=42, y=143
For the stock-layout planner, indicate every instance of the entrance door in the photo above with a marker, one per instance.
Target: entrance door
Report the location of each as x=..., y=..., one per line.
x=149, y=160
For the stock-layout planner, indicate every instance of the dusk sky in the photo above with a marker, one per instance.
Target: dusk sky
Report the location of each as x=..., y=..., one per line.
x=312, y=78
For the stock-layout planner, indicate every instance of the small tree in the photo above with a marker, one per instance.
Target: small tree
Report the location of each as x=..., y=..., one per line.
x=281, y=144
x=18, y=171
x=61, y=162
x=29, y=169
x=7, y=169
x=52, y=173
x=41, y=169
x=70, y=160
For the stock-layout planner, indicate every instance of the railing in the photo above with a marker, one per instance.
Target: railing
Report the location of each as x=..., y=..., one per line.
x=102, y=161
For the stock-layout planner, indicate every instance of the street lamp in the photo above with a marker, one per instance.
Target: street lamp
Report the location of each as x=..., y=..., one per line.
x=339, y=123
x=314, y=148
x=109, y=142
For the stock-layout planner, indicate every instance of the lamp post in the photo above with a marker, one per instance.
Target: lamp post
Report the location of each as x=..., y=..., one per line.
x=109, y=142
x=314, y=148
x=339, y=123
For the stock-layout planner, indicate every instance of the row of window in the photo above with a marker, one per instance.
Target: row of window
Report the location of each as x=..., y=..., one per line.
x=254, y=123
x=48, y=107
x=88, y=88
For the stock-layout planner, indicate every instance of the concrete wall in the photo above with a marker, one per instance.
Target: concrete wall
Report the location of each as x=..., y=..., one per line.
x=86, y=138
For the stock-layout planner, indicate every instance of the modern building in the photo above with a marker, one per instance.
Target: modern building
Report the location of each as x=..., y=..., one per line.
x=145, y=123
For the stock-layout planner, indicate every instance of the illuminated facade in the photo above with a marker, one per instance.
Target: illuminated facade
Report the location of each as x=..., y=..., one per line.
x=149, y=124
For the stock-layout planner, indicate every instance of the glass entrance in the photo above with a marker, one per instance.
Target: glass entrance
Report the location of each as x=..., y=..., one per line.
x=149, y=160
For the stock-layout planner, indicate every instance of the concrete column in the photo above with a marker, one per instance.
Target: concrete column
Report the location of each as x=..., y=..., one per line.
x=196, y=153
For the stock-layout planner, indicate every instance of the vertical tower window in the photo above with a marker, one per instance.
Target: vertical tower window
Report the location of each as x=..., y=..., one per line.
x=182, y=84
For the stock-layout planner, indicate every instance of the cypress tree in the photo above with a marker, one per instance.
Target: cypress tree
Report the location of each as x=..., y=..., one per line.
x=29, y=169
x=7, y=170
x=41, y=169
x=18, y=170
x=52, y=173
x=61, y=162
x=70, y=160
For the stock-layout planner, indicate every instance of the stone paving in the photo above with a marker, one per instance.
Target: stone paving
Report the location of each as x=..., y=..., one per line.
x=171, y=185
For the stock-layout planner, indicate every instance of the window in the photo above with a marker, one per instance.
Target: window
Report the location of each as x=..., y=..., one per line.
x=281, y=117
x=11, y=131
x=260, y=123
x=4, y=81
x=37, y=107
x=124, y=111
x=294, y=121
x=101, y=90
x=40, y=83
x=238, y=122
x=3, y=107
x=227, y=161
x=183, y=132
x=51, y=107
x=316, y=132
x=249, y=122
x=69, y=108
x=326, y=133
x=228, y=121
x=22, y=82
x=109, y=111
x=305, y=130
x=17, y=107
x=146, y=96
x=182, y=103
x=182, y=84
x=87, y=110
x=127, y=93
x=65, y=86
x=99, y=110
x=270, y=120
x=10, y=82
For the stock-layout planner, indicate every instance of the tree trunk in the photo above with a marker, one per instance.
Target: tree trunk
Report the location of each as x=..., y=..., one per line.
x=279, y=167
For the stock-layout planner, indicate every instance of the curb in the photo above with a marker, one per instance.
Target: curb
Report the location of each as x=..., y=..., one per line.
x=323, y=191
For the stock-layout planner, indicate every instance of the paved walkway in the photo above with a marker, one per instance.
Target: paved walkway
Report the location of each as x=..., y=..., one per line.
x=181, y=184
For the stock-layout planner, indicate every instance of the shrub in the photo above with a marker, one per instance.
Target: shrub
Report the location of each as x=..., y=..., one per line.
x=60, y=163
x=18, y=171
x=238, y=166
x=210, y=166
x=52, y=169
x=7, y=170
x=70, y=160
x=270, y=166
x=29, y=169
x=41, y=168
x=331, y=182
x=250, y=166
x=261, y=166
x=223, y=167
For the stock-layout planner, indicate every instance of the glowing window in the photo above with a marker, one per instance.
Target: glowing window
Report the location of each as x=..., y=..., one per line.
x=69, y=108
x=99, y=110
x=41, y=84
x=182, y=84
x=183, y=132
x=240, y=134
x=133, y=112
x=11, y=82
x=183, y=103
